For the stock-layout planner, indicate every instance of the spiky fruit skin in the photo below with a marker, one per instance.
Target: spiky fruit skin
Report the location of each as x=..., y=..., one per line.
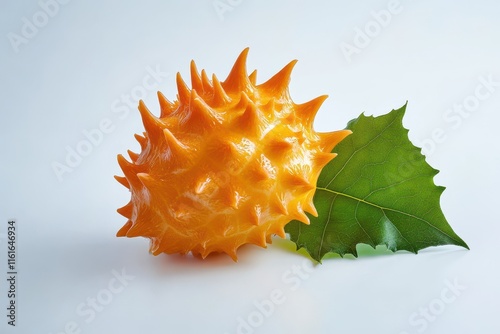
x=228, y=163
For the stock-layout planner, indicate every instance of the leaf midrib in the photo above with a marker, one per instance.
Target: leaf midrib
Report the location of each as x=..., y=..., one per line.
x=387, y=209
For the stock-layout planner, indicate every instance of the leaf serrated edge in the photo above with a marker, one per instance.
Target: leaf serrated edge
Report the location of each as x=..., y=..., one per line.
x=399, y=114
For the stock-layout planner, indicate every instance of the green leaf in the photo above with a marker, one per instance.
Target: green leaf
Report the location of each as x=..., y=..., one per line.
x=379, y=190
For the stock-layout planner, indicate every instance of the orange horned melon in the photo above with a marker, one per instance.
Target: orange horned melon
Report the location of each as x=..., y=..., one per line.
x=228, y=163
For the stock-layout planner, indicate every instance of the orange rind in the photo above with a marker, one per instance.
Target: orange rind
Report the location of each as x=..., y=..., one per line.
x=227, y=163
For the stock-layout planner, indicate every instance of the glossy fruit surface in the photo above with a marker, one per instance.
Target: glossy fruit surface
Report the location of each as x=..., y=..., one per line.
x=226, y=164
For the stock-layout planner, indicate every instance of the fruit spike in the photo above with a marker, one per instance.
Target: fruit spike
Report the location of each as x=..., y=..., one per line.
x=166, y=107
x=183, y=90
x=237, y=80
x=307, y=111
x=220, y=96
x=227, y=164
x=202, y=116
x=278, y=84
x=195, y=78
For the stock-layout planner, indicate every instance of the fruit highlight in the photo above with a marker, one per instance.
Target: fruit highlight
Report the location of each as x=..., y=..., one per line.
x=226, y=164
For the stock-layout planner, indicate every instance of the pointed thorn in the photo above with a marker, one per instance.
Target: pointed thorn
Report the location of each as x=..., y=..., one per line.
x=177, y=148
x=204, y=253
x=250, y=121
x=258, y=239
x=257, y=171
x=232, y=254
x=237, y=80
x=278, y=84
x=307, y=111
x=309, y=206
x=280, y=231
x=122, y=180
x=298, y=181
x=202, y=114
x=207, y=85
x=321, y=159
x=243, y=102
x=230, y=197
x=277, y=229
x=279, y=147
x=166, y=107
x=126, y=211
x=154, y=245
x=220, y=96
x=122, y=232
x=143, y=227
x=146, y=180
x=125, y=165
x=269, y=107
x=253, y=77
x=278, y=206
x=254, y=215
x=142, y=141
x=184, y=93
x=224, y=150
x=195, y=78
x=330, y=139
x=300, y=215
x=152, y=124
x=196, y=254
x=135, y=231
x=130, y=170
x=133, y=156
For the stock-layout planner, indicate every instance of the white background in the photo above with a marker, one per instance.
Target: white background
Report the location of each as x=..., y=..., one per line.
x=74, y=71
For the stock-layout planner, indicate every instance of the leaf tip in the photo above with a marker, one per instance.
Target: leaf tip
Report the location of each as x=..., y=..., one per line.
x=462, y=243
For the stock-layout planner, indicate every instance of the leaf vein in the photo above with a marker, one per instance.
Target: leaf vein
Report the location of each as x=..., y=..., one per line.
x=359, y=149
x=388, y=209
